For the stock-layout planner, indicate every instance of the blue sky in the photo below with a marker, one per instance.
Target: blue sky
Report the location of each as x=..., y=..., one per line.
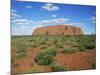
x=26, y=16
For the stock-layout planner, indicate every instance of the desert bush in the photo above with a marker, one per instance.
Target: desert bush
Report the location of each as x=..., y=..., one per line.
x=46, y=57
x=33, y=45
x=87, y=42
x=89, y=45
x=56, y=67
x=51, y=51
x=55, y=41
x=59, y=45
x=93, y=66
x=48, y=43
x=44, y=39
x=22, y=45
x=21, y=49
x=43, y=46
x=12, y=60
x=81, y=48
x=21, y=53
x=70, y=50
x=42, y=42
x=43, y=59
x=29, y=38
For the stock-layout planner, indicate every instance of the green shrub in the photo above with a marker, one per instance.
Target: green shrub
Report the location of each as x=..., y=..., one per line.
x=93, y=66
x=45, y=38
x=48, y=43
x=31, y=40
x=33, y=45
x=43, y=59
x=21, y=45
x=21, y=53
x=81, y=48
x=55, y=41
x=43, y=46
x=46, y=57
x=87, y=42
x=12, y=60
x=51, y=51
x=70, y=50
x=59, y=45
x=56, y=67
x=90, y=46
x=42, y=42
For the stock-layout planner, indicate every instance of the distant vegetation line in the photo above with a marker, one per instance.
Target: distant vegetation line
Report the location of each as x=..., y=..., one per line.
x=56, y=35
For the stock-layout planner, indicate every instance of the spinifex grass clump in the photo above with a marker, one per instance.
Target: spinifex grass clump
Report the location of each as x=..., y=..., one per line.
x=33, y=45
x=93, y=66
x=43, y=59
x=88, y=42
x=81, y=48
x=21, y=49
x=21, y=53
x=42, y=42
x=55, y=41
x=43, y=46
x=31, y=39
x=56, y=67
x=70, y=50
x=85, y=42
x=59, y=45
x=46, y=57
x=90, y=45
x=51, y=51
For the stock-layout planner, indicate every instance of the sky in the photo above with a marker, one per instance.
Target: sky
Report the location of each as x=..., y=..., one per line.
x=27, y=16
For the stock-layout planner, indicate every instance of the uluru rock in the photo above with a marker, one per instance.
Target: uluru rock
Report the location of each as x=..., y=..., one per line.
x=58, y=30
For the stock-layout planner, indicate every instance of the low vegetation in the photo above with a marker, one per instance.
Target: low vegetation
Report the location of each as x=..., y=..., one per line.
x=46, y=57
x=49, y=47
x=43, y=46
x=80, y=43
x=51, y=51
x=70, y=50
x=93, y=66
x=56, y=67
x=43, y=59
x=33, y=45
x=59, y=45
x=21, y=54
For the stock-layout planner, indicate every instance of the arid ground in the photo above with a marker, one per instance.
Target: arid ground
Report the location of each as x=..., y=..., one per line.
x=35, y=54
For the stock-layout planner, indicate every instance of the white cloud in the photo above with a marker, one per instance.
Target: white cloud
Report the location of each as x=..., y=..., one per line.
x=13, y=10
x=29, y=7
x=14, y=14
x=23, y=26
x=22, y=21
x=92, y=19
x=78, y=24
x=50, y=7
x=22, y=30
x=53, y=15
x=52, y=21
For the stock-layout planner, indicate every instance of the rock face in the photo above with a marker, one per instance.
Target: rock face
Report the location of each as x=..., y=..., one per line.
x=58, y=30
